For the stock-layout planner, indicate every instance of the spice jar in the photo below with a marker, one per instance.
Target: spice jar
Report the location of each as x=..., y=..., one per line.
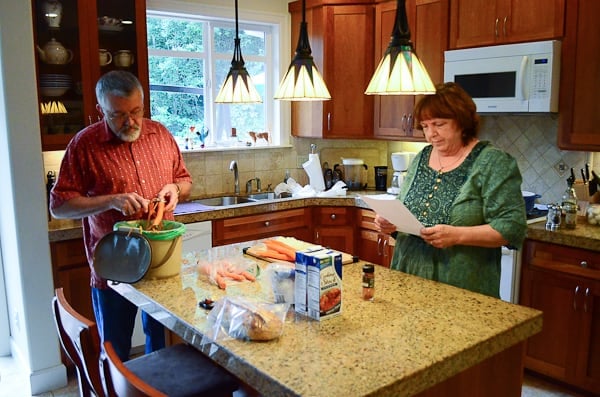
x=368, y=282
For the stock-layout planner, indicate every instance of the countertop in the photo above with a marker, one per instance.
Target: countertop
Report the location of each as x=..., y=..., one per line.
x=415, y=334
x=584, y=236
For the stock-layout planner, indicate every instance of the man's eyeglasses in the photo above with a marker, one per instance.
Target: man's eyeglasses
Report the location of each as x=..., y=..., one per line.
x=121, y=116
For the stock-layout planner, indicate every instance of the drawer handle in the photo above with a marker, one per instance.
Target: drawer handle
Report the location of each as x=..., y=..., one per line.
x=333, y=216
x=379, y=251
x=587, y=295
x=267, y=223
x=584, y=264
x=575, y=298
x=504, y=27
x=385, y=245
x=496, y=28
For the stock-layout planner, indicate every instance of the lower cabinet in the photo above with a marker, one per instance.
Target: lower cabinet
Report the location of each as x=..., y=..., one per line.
x=374, y=246
x=334, y=228
x=564, y=283
x=71, y=271
x=291, y=223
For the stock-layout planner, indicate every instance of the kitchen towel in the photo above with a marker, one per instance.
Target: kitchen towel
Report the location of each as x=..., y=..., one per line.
x=315, y=173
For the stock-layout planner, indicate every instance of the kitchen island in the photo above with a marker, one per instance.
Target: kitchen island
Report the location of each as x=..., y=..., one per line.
x=417, y=337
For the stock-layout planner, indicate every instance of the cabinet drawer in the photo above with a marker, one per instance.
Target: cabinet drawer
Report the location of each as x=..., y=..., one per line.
x=334, y=216
x=366, y=220
x=252, y=227
x=68, y=253
x=564, y=259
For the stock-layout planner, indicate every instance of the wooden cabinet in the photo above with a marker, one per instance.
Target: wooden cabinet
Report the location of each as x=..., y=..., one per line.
x=564, y=283
x=488, y=22
x=71, y=271
x=334, y=228
x=81, y=33
x=374, y=246
x=393, y=118
x=290, y=223
x=579, y=118
x=341, y=39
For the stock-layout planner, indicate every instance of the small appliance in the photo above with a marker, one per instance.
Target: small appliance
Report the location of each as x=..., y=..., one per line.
x=520, y=77
x=400, y=162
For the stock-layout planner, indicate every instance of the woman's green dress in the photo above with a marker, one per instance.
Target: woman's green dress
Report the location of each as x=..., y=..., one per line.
x=484, y=189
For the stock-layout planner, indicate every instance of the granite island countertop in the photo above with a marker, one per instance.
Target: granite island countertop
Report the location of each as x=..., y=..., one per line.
x=584, y=236
x=416, y=334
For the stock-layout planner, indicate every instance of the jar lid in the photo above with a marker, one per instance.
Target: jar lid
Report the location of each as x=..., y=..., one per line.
x=368, y=268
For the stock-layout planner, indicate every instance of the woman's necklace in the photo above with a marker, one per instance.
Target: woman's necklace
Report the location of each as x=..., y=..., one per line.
x=442, y=167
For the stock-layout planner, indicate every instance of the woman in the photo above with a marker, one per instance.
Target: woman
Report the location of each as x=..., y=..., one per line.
x=467, y=194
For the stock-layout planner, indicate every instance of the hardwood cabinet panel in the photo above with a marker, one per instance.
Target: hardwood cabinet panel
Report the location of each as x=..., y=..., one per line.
x=564, y=283
x=334, y=228
x=374, y=246
x=579, y=116
x=482, y=22
x=290, y=223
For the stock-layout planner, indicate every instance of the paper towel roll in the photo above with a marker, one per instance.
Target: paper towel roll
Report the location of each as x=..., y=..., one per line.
x=315, y=173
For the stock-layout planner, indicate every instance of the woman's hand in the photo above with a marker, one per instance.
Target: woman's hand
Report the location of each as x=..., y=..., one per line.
x=440, y=236
x=444, y=236
x=384, y=225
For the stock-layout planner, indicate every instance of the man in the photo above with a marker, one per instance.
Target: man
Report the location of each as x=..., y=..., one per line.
x=110, y=172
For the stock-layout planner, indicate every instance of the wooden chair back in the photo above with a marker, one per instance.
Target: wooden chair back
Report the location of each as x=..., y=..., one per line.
x=81, y=342
x=120, y=381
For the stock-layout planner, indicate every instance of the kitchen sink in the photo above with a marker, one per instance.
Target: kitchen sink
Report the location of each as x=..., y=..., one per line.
x=223, y=201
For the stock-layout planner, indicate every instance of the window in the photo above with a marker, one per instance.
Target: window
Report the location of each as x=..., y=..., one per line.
x=189, y=57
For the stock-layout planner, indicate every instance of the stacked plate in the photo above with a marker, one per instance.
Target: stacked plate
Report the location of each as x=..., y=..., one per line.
x=54, y=84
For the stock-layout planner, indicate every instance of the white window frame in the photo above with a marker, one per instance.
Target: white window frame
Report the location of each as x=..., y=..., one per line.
x=275, y=111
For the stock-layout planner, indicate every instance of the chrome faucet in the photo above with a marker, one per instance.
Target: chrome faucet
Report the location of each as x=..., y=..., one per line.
x=249, y=185
x=236, y=184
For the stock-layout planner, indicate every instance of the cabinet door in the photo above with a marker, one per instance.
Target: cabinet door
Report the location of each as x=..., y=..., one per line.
x=579, y=118
x=341, y=38
x=80, y=33
x=482, y=22
x=550, y=352
x=290, y=223
x=588, y=349
x=335, y=228
x=392, y=113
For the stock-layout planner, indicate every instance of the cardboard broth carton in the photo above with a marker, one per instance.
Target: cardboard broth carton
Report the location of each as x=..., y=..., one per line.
x=300, y=282
x=324, y=284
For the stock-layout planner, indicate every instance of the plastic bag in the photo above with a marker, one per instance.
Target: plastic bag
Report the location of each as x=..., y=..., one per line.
x=222, y=271
x=282, y=278
x=241, y=318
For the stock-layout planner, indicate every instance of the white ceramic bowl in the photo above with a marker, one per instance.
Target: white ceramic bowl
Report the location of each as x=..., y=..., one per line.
x=53, y=91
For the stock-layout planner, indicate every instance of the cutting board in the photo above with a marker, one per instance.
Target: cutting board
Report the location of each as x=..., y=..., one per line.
x=255, y=251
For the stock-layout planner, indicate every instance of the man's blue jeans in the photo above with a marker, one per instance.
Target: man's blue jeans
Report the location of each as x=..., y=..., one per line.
x=115, y=317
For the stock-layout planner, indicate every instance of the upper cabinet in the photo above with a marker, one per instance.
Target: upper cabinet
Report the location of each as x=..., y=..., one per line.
x=341, y=39
x=393, y=113
x=488, y=22
x=77, y=41
x=579, y=117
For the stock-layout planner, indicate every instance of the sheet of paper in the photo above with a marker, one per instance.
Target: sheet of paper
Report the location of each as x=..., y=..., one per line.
x=392, y=209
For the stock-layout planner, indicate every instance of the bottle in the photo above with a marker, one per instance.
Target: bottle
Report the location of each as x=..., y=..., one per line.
x=368, y=282
x=569, y=205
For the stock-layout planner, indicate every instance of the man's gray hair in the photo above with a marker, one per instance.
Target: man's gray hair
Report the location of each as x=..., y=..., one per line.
x=118, y=83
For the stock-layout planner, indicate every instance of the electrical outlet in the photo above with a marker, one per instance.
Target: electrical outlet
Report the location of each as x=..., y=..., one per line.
x=301, y=159
x=561, y=167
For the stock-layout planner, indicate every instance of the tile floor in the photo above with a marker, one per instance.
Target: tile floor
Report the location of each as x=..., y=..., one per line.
x=12, y=381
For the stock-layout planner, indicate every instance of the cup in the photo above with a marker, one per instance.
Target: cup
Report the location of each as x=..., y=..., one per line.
x=380, y=177
x=105, y=57
x=123, y=58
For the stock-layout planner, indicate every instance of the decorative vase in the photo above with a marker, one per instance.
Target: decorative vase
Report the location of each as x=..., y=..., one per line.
x=52, y=11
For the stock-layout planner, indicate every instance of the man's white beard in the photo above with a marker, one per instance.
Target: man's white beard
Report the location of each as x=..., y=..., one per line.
x=129, y=133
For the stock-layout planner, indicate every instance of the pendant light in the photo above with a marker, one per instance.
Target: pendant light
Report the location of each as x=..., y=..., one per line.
x=400, y=72
x=238, y=86
x=303, y=82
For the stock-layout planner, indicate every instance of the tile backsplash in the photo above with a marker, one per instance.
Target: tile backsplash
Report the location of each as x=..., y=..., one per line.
x=531, y=139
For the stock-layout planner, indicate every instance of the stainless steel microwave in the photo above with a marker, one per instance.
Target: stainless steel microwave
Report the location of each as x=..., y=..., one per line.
x=508, y=78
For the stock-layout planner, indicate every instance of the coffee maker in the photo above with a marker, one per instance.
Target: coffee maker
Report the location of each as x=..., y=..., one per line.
x=400, y=162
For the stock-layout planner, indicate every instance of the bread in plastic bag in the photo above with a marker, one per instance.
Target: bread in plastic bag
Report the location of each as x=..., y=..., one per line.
x=244, y=319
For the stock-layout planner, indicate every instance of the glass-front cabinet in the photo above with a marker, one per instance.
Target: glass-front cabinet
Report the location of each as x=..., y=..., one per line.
x=76, y=42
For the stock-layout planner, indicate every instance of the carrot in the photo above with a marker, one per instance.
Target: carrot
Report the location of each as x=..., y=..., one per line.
x=282, y=248
x=269, y=253
x=234, y=276
x=157, y=208
x=220, y=281
x=248, y=276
